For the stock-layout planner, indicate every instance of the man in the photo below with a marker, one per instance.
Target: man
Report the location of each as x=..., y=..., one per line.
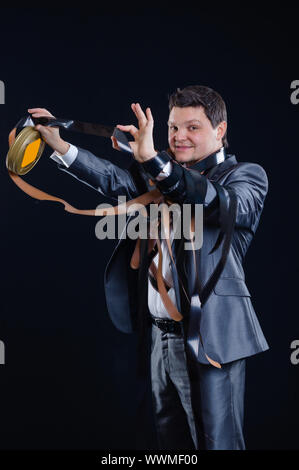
x=197, y=363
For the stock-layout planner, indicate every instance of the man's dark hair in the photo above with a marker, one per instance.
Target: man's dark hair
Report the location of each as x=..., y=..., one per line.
x=198, y=95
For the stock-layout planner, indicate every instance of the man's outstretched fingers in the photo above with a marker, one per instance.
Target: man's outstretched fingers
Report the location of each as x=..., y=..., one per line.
x=149, y=115
x=39, y=112
x=140, y=115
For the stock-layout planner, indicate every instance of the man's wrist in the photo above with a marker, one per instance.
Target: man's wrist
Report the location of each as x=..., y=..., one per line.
x=62, y=147
x=149, y=157
x=68, y=158
x=155, y=165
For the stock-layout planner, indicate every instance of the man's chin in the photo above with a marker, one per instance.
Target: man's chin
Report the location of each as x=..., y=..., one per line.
x=189, y=159
x=181, y=158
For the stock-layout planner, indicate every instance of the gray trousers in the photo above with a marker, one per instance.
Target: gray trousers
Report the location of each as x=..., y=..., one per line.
x=196, y=406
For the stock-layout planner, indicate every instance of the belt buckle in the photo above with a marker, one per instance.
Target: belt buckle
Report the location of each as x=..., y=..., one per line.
x=161, y=324
x=167, y=327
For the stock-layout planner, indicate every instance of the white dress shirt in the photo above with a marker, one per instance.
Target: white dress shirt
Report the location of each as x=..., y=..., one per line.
x=155, y=303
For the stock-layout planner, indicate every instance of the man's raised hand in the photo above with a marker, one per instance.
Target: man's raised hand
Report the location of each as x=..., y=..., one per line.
x=143, y=145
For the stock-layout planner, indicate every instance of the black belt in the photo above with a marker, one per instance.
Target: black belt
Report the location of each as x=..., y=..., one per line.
x=167, y=325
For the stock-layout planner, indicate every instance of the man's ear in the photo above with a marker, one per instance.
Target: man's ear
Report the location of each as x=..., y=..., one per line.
x=221, y=129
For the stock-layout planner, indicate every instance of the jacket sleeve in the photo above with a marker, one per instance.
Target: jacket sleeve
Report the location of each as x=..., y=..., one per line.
x=103, y=176
x=248, y=183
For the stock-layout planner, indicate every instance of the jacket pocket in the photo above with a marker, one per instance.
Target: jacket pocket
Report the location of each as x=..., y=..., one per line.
x=231, y=286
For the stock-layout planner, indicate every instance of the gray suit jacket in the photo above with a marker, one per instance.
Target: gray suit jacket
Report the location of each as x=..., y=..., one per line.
x=229, y=326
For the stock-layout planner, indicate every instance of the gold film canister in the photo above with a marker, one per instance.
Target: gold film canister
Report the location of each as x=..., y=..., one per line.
x=25, y=151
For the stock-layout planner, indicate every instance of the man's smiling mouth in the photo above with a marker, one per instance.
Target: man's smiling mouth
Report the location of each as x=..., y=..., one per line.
x=183, y=147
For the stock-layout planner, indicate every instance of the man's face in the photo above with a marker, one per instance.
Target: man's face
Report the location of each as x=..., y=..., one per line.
x=191, y=136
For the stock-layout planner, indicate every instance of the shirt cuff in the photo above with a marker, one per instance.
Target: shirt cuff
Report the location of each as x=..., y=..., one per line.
x=68, y=158
x=167, y=169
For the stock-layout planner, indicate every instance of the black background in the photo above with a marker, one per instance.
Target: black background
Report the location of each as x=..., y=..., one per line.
x=69, y=378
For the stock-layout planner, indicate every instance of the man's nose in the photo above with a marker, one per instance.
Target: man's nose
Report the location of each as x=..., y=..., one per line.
x=180, y=134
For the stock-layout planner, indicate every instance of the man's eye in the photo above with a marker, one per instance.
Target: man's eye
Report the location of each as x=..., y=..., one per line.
x=173, y=128
x=193, y=128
